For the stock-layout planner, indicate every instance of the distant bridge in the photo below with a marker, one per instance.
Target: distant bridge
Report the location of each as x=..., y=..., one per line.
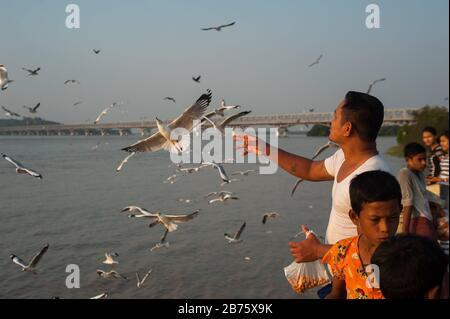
x=282, y=121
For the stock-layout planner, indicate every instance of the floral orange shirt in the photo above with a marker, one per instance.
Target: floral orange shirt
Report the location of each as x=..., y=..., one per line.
x=345, y=264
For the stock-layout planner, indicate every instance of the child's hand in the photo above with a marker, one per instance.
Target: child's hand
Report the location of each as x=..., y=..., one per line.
x=306, y=251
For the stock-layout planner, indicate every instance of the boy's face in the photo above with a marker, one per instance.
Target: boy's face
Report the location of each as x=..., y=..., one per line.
x=417, y=163
x=378, y=221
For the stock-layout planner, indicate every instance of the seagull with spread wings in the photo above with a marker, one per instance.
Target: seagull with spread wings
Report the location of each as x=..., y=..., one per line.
x=110, y=274
x=197, y=78
x=221, y=126
x=32, y=109
x=32, y=72
x=317, y=61
x=222, y=173
x=118, y=169
x=20, y=169
x=169, y=98
x=34, y=261
x=223, y=198
x=140, y=282
x=220, y=27
x=109, y=259
x=9, y=112
x=373, y=83
x=72, y=81
x=161, y=139
x=3, y=77
x=105, y=111
x=237, y=236
x=96, y=51
x=269, y=215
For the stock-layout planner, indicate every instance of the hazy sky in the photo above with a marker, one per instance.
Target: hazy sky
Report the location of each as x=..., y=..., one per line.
x=151, y=49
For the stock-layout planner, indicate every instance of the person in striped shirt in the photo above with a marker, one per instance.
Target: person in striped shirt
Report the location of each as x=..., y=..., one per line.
x=435, y=152
x=443, y=177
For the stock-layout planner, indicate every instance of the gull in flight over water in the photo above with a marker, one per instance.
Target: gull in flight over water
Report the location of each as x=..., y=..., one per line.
x=236, y=238
x=162, y=139
x=269, y=215
x=9, y=112
x=32, y=109
x=72, y=81
x=96, y=51
x=77, y=103
x=224, y=107
x=318, y=152
x=105, y=111
x=140, y=282
x=190, y=170
x=317, y=61
x=219, y=193
x=373, y=83
x=109, y=259
x=20, y=169
x=197, y=78
x=221, y=126
x=220, y=27
x=223, y=175
x=171, y=179
x=160, y=245
x=32, y=72
x=223, y=198
x=3, y=77
x=101, y=296
x=110, y=274
x=169, y=98
x=243, y=173
x=34, y=261
x=124, y=161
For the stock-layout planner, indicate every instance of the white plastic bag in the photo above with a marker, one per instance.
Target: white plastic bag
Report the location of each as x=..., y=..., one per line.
x=303, y=276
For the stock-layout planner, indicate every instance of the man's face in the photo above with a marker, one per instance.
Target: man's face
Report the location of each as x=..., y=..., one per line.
x=378, y=221
x=417, y=163
x=428, y=139
x=337, y=129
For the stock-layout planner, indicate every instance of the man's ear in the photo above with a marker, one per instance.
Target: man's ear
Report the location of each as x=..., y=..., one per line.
x=354, y=217
x=348, y=127
x=433, y=293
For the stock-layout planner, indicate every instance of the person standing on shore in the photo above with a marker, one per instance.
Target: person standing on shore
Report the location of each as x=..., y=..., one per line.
x=429, y=138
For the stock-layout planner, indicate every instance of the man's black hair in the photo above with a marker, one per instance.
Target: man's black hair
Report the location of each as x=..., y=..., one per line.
x=365, y=112
x=444, y=134
x=412, y=149
x=373, y=186
x=429, y=129
x=410, y=266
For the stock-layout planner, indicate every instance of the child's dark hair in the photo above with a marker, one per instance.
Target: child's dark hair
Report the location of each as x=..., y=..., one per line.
x=410, y=266
x=412, y=149
x=373, y=186
x=430, y=129
x=444, y=134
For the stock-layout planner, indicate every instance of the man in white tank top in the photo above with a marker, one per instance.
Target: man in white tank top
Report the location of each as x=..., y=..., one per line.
x=355, y=126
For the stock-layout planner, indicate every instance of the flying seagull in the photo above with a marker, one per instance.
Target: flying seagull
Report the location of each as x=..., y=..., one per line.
x=32, y=72
x=104, y=112
x=110, y=274
x=10, y=113
x=243, y=173
x=77, y=103
x=236, y=238
x=223, y=198
x=96, y=51
x=20, y=169
x=34, y=261
x=171, y=179
x=220, y=193
x=109, y=259
x=161, y=139
x=124, y=161
x=224, y=107
x=197, y=79
x=3, y=77
x=221, y=126
x=190, y=170
x=219, y=28
x=317, y=61
x=373, y=83
x=32, y=109
x=170, y=99
x=160, y=245
x=223, y=175
x=269, y=215
x=72, y=81
x=140, y=282
x=101, y=296
x=319, y=151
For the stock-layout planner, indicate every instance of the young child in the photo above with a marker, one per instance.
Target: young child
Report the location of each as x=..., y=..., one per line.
x=443, y=177
x=417, y=202
x=411, y=267
x=375, y=198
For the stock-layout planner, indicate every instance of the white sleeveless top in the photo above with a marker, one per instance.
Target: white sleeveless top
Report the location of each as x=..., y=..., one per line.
x=340, y=226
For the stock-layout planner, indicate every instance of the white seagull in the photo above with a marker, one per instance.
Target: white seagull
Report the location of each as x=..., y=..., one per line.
x=219, y=28
x=34, y=261
x=190, y=170
x=160, y=245
x=3, y=77
x=224, y=107
x=109, y=259
x=32, y=109
x=20, y=169
x=373, y=83
x=124, y=162
x=317, y=61
x=10, y=113
x=101, y=296
x=236, y=238
x=223, y=175
x=223, y=198
x=105, y=111
x=269, y=215
x=318, y=152
x=161, y=139
x=171, y=179
x=221, y=126
x=110, y=274
x=32, y=72
x=219, y=193
x=243, y=173
x=140, y=282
